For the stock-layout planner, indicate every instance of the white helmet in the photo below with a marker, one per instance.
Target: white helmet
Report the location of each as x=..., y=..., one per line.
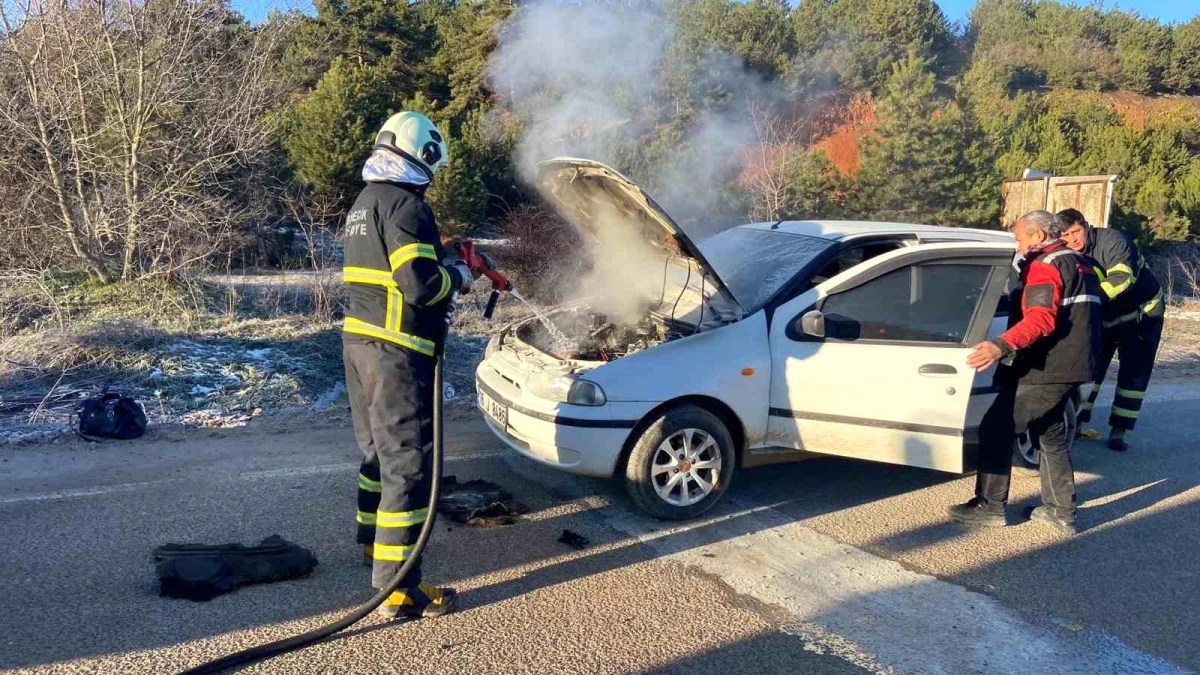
x=415, y=137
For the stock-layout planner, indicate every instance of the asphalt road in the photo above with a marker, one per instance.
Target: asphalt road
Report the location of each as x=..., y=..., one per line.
x=829, y=566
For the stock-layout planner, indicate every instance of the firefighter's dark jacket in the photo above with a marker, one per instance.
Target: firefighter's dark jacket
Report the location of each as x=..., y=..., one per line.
x=396, y=283
x=1130, y=288
x=1054, y=334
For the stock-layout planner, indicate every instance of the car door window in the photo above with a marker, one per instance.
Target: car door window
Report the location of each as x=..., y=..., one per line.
x=921, y=303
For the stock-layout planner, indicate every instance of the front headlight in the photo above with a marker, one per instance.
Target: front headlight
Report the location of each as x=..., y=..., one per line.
x=566, y=389
x=586, y=393
x=552, y=386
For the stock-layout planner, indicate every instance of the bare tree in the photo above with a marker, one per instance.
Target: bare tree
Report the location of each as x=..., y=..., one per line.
x=317, y=217
x=781, y=136
x=132, y=128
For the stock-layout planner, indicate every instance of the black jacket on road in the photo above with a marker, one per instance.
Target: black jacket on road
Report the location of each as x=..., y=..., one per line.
x=396, y=283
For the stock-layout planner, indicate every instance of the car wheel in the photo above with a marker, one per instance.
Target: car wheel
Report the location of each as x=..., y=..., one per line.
x=681, y=464
x=1028, y=451
x=1027, y=448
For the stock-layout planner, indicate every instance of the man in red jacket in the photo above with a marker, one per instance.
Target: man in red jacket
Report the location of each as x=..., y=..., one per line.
x=1052, y=345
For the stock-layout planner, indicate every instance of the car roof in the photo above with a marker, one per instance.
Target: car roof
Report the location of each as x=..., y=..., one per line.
x=837, y=230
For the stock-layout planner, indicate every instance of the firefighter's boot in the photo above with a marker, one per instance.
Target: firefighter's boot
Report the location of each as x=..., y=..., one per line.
x=368, y=559
x=1116, y=440
x=424, y=601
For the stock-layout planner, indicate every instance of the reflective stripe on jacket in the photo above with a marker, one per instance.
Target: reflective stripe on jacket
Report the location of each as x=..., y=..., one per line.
x=1130, y=288
x=1054, y=325
x=396, y=284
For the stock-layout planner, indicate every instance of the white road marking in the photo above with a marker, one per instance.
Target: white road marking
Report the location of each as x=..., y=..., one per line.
x=266, y=474
x=904, y=620
x=1117, y=496
x=867, y=609
x=87, y=492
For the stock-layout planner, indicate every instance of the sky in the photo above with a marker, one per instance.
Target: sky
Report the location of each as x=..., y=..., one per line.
x=256, y=10
x=956, y=10
x=1163, y=10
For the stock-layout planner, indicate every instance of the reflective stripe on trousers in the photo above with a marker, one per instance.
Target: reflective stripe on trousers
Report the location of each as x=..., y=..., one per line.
x=1136, y=343
x=390, y=391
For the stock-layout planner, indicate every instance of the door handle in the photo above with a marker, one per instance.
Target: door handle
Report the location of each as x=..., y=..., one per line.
x=937, y=369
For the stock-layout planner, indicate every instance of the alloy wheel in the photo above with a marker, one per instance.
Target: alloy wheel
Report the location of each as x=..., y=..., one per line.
x=686, y=467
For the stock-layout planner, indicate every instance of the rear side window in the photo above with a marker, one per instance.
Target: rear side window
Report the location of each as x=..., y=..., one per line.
x=853, y=256
x=921, y=303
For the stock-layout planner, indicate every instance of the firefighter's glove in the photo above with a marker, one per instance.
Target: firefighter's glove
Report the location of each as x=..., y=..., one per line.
x=468, y=277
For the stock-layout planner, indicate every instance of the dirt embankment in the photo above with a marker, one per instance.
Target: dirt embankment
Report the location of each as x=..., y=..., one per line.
x=852, y=123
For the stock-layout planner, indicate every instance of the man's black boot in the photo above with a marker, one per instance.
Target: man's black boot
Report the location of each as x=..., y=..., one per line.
x=1042, y=515
x=975, y=512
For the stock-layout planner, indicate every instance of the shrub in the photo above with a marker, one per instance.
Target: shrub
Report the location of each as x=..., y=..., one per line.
x=543, y=255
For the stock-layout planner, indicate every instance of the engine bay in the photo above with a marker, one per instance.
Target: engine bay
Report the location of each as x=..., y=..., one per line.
x=591, y=336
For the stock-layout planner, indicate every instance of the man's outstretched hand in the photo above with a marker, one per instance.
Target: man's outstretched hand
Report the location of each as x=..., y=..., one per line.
x=983, y=355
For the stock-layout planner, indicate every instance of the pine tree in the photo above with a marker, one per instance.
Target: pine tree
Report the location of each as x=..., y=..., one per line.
x=927, y=162
x=467, y=33
x=1187, y=195
x=332, y=130
x=1183, y=75
x=814, y=189
x=860, y=40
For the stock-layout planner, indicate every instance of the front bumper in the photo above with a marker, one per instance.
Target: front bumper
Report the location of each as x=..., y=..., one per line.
x=579, y=439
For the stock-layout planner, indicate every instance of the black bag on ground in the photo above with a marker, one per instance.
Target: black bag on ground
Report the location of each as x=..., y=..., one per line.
x=111, y=416
x=202, y=571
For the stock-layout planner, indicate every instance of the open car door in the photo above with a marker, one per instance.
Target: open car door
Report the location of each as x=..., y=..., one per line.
x=871, y=364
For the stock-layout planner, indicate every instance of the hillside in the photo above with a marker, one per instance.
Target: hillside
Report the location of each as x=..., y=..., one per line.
x=855, y=120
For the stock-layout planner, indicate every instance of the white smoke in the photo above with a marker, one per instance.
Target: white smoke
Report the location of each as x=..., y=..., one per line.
x=572, y=70
x=591, y=80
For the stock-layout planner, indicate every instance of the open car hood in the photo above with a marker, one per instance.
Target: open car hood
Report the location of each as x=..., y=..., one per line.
x=581, y=188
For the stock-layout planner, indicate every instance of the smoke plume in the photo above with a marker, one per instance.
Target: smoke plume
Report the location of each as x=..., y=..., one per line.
x=577, y=74
x=598, y=80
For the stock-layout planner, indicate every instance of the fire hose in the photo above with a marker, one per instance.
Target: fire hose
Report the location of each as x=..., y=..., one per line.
x=476, y=261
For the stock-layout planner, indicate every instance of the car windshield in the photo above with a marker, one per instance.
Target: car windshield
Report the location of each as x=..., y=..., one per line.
x=755, y=264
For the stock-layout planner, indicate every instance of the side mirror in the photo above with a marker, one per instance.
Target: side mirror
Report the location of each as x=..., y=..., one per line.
x=812, y=323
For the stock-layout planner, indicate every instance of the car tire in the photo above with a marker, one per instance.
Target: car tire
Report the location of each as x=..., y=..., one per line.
x=707, y=463
x=1027, y=452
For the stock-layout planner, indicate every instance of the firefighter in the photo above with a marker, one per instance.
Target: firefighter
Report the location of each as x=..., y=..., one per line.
x=1052, y=346
x=1133, y=320
x=398, y=285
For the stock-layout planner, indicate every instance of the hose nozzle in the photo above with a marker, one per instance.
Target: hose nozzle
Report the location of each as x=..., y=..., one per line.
x=491, y=304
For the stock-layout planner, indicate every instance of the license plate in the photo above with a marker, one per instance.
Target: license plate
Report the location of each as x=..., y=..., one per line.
x=494, y=409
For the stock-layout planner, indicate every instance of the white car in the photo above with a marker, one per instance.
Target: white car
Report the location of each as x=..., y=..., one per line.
x=768, y=343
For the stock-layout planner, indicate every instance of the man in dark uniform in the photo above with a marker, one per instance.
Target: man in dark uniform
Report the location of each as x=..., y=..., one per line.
x=1133, y=311
x=398, y=287
x=1052, y=346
